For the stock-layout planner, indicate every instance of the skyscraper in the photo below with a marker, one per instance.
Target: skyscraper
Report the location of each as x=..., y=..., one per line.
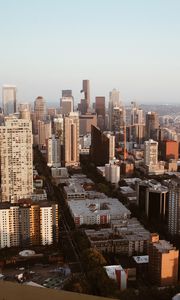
x=9, y=99
x=66, y=102
x=40, y=111
x=86, y=90
x=174, y=207
x=16, y=159
x=152, y=125
x=114, y=100
x=71, y=139
x=150, y=152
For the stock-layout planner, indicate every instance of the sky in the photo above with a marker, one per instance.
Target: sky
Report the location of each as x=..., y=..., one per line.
x=131, y=45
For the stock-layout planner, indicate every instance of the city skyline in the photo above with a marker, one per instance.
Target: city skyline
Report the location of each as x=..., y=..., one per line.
x=47, y=47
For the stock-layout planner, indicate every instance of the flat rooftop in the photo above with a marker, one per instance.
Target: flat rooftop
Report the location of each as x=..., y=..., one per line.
x=164, y=246
x=103, y=206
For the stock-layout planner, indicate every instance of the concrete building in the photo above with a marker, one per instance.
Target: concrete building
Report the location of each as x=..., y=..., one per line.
x=48, y=224
x=126, y=237
x=16, y=159
x=174, y=207
x=9, y=99
x=163, y=262
x=153, y=199
x=71, y=139
x=152, y=125
x=102, y=146
x=53, y=154
x=97, y=211
x=86, y=90
x=40, y=112
x=85, y=122
x=112, y=173
x=150, y=152
x=114, y=100
x=66, y=102
x=28, y=223
x=44, y=132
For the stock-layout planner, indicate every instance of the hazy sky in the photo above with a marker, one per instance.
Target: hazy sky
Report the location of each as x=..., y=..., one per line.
x=50, y=45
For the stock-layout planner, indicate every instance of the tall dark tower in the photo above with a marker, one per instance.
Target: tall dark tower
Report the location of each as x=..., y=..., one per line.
x=86, y=90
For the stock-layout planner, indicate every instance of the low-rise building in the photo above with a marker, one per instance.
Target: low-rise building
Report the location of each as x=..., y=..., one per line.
x=97, y=211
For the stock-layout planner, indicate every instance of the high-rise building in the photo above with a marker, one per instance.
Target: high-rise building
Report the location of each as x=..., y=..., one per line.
x=16, y=159
x=118, y=118
x=40, y=111
x=114, y=100
x=152, y=125
x=71, y=139
x=100, y=106
x=153, y=200
x=169, y=150
x=163, y=262
x=9, y=99
x=150, y=152
x=44, y=132
x=102, y=146
x=53, y=146
x=86, y=90
x=48, y=224
x=28, y=223
x=85, y=122
x=174, y=207
x=66, y=105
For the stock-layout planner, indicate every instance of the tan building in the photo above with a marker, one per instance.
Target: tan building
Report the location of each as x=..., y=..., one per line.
x=16, y=159
x=44, y=132
x=71, y=139
x=163, y=262
x=85, y=122
x=40, y=111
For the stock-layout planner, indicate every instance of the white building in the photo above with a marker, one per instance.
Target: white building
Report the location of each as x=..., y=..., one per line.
x=53, y=151
x=48, y=224
x=16, y=159
x=150, y=152
x=112, y=173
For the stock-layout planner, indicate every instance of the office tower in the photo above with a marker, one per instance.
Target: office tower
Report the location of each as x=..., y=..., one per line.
x=150, y=152
x=71, y=139
x=152, y=125
x=48, y=224
x=100, y=106
x=102, y=147
x=53, y=146
x=174, y=207
x=85, y=122
x=153, y=200
x=114, y=100
x=9, y=99
x=59, y=128
x=163, y=262
x=66, y=93
x=24, y=106
x=16, y=159
x=100, y=111
x=44, y=132
x=40, y=112
x=111, y=138
x=137, y=114
x=28, y=223
x=66, y=102
x=24, y=112
x=118, y=118
x=86, y=90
